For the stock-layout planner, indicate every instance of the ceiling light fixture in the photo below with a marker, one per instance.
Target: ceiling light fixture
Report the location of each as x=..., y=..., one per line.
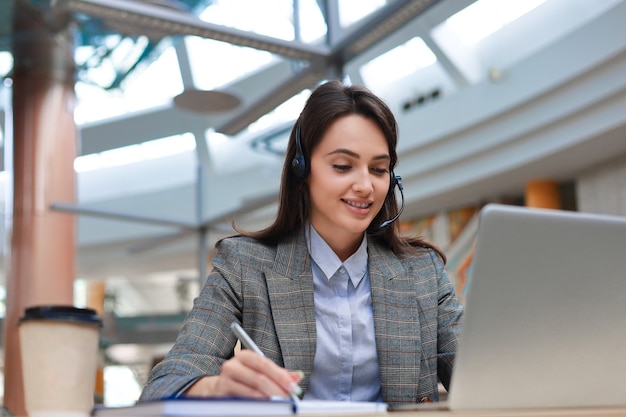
x=206, y=101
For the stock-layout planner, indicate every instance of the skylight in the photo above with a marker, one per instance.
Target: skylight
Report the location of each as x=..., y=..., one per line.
x=6, y=63
x=215, y=64
x=312, y=24
x=485, y=17
x=152, y=86
x=397, y=63
x=286, y=112
x=274, y=20
x=351, y=11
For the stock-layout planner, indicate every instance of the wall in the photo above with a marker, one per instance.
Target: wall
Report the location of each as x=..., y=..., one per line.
x=602, y=189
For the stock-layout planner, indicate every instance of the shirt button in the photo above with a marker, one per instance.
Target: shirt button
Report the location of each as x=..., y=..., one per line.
x=342, y=271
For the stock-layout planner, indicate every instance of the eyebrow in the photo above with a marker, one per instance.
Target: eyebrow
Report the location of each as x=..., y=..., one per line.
x=356, y=155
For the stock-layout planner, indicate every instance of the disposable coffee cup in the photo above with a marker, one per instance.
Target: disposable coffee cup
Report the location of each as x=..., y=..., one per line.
x=59, y=347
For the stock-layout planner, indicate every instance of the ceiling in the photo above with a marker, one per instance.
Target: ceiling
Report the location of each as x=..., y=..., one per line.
x=544, y=96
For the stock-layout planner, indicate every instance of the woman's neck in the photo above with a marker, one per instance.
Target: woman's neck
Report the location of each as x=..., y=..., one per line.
x=343, y=245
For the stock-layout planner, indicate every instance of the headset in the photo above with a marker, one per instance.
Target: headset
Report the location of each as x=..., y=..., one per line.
x=301, y=170
x=298, y=163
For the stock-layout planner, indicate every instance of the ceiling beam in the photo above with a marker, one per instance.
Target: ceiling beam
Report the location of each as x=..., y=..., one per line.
x=139, y=18
x=377, y=27
x=271, y=99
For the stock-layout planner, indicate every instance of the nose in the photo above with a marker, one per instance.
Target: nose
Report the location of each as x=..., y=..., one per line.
x=363, y=183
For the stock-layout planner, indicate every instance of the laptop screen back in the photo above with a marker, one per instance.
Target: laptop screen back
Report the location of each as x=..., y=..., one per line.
x=545, y=318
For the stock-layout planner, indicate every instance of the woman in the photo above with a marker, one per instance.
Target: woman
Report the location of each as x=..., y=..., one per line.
x=341, y=304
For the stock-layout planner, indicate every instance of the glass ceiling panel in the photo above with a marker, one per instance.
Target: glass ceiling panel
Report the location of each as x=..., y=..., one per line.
x=351, y=11
x=311, y=20
x=3, y=297
x=482, y=36
x=148, y=87
x=276, y=19
x=271, y=19
x=397, y=63
x=6, y=63
x=485, y=17
x=102, y=63
x=215, y=64
x=286, y=112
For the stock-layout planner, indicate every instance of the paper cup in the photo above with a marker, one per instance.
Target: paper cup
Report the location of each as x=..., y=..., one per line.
x=59, y=347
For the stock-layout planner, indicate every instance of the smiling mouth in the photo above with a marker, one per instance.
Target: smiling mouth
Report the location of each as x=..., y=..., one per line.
x=357, y=205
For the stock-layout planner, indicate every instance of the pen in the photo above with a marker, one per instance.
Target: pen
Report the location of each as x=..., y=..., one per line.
x=247, y=341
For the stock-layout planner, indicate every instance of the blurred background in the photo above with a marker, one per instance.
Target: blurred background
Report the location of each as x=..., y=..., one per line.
x=183, y=110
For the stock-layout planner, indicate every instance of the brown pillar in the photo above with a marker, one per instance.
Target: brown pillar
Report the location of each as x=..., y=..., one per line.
x=96, y=291
x=543, y=194
x=41, y=262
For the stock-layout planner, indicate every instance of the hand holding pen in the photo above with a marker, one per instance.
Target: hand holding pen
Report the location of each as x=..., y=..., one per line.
x=249, y=374
x=294, y=389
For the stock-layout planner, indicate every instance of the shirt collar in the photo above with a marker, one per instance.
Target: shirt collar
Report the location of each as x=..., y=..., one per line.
x=328, y=261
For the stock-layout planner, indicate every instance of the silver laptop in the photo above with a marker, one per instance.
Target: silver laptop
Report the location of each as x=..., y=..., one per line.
x=545, y=318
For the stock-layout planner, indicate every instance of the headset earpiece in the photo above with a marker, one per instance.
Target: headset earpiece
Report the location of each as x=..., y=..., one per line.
x=298, y=163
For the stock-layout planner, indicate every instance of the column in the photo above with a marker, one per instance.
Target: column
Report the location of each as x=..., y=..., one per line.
x=42, y=242
x=543, y=194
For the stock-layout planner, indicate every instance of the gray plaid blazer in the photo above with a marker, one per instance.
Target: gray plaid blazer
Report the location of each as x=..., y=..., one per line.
x=269, y=290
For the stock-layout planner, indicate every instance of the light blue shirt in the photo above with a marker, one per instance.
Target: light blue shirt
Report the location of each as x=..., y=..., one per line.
x=345, y=366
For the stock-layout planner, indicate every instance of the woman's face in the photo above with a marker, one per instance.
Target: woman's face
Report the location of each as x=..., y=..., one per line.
x=349, y=181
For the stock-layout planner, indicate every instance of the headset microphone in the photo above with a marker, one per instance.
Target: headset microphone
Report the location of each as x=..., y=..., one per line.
x=398, y=182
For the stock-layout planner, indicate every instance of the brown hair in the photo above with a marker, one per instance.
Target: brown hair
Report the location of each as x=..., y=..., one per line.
x=327, y=103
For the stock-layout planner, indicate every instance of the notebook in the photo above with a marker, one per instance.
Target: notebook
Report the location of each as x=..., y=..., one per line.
x=237, y=407
x=545, y=317
x=200, y=407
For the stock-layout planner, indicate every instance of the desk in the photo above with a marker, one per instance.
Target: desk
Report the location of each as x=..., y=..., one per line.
x=619, y=411
x=570, y=412
x=575, y=412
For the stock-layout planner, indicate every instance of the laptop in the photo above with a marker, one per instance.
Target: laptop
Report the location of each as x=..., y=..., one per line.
x=545, y=317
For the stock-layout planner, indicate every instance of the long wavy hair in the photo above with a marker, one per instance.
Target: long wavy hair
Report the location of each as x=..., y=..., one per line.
x=327, y=103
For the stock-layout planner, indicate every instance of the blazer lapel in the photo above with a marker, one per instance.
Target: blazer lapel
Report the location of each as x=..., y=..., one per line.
x=396, y=319
x=396, y=322
x=290, y=286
